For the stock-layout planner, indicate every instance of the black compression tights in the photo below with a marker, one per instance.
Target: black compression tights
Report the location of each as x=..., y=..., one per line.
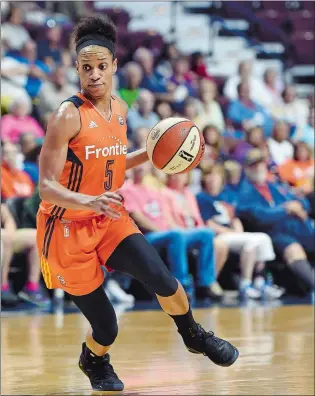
x=137, y=258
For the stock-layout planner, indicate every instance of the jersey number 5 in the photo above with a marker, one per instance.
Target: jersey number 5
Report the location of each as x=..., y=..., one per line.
x=108, y=175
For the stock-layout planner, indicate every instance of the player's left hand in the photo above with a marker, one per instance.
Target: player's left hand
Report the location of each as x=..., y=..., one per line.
x=103, y=204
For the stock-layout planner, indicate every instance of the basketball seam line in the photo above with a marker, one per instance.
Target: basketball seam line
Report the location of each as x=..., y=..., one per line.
x=194, y=126
x=179, y=122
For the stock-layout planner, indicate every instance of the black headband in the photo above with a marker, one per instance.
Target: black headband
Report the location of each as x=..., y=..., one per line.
x=95, y=39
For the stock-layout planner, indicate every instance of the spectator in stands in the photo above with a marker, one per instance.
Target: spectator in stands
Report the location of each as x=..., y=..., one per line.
x=256, y=86
x=19, y=121
x=17, y=241
x=31, y=162
x=154, y=178
x=198, y=66
x=182, y=83
x=164, y=64
x=152, y=79
x=53, y=92
x=163, y=110
x=133, y=75
x=49, y=49
x=140, y=137
x=14, y=182
x=27, y=142
x=270, y=208
x=185, y=214
x=12, y=31
x=142, y=115
x=190, y=111
x=30, y=209
x=12, y=79
x=35, y=71
x=209, y=109
x=254, y=138
x=8, y=230
x=299, y=171
x=216, y=208
x=307, y=133
x=245, y=114
x=150, y=211
x=279, y=146
x=68, y=56
x=234, y=181
x=272, y=95
x=293, y=111
x=213, y=141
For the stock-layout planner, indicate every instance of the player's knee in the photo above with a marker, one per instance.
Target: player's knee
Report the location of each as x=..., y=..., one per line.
x=162, y=282
x=105, y=335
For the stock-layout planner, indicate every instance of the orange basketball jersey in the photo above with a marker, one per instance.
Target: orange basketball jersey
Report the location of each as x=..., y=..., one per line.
x=96, y=160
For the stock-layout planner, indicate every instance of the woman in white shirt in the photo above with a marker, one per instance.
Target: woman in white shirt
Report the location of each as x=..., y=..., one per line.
x=279, y=146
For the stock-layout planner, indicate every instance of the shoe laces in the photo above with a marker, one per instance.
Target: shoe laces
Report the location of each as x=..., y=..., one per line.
x=101, y=368
x=201, y=333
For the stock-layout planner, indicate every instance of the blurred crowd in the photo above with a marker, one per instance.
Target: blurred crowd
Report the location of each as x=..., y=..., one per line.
x=252, y=194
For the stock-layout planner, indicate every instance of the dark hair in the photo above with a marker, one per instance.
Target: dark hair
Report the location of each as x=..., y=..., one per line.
x=98, y=25
x=194, y=59
x=32, y=156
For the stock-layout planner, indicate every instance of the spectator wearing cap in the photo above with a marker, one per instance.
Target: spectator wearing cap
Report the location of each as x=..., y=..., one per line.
x=234, y=180
x=53, y=92
x=299, y=171
x=14, y=182
x=19, y=121
x=13, y=32
x=245, y=114
x=133, y=75
x=254, y=249
x=281, y=149
x=142, y=114
x=268, y=207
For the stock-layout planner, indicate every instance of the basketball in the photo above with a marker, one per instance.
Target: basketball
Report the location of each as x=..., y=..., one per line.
x=175, y=145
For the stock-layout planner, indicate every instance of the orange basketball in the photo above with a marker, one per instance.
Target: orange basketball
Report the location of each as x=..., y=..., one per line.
x=175, y=145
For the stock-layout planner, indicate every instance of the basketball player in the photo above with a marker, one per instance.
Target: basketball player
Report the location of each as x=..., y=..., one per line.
x=82, y=223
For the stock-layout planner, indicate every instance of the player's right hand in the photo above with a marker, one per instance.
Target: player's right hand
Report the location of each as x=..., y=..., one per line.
x=103, y=204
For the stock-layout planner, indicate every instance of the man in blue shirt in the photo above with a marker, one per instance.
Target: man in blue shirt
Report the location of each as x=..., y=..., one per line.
x=272, y=208
x=37, y=69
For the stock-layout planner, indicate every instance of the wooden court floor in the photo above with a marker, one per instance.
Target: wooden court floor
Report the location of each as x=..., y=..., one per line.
x=40, y=354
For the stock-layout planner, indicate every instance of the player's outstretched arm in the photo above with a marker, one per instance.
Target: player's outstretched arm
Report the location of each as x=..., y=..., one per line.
x=63, y=125
x=136, y=158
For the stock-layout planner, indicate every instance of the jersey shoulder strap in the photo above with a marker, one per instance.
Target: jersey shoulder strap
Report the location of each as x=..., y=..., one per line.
x=78, y=102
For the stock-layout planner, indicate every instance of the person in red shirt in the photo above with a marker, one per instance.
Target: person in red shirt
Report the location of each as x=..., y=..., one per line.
x=14, y=182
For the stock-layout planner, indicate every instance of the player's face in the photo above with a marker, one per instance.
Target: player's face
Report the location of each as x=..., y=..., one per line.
x=96, y=67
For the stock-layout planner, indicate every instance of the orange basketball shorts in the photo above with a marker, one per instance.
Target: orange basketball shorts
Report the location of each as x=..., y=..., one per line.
x=72, y=252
